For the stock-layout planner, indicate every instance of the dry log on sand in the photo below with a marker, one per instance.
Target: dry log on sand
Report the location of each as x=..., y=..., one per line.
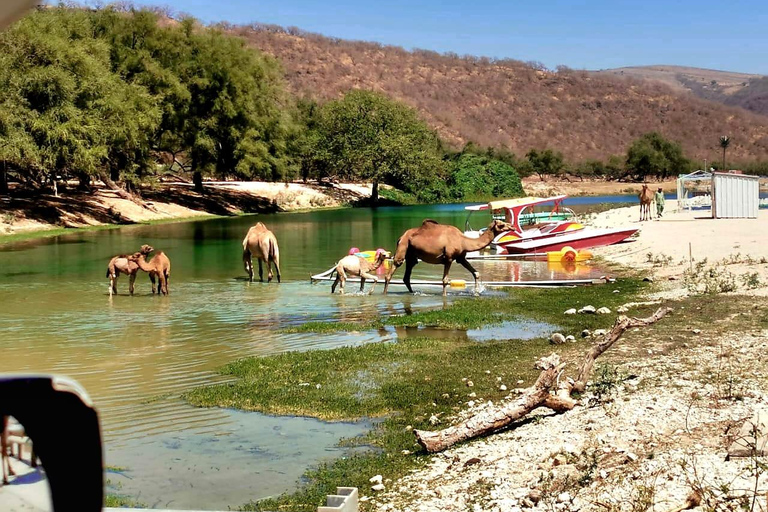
x=540, y=394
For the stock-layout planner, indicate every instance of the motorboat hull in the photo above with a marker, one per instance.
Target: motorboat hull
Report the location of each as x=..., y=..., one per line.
x=586, y=238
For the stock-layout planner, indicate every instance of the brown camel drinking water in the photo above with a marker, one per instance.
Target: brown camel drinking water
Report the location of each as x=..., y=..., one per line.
x=353, y=265
x=645, y=196
x=440, y=244
x=261, y=243
x=158, y=268
x=121, y=264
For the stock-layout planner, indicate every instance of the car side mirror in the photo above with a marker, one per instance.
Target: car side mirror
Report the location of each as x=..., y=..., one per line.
x=59, y=418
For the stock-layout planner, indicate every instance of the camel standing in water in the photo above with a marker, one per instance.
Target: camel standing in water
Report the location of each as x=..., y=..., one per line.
x=356, y=266
x=262, y=244
x=158, y=268
x=440, y=244
x=646, y=197
x=121, y=265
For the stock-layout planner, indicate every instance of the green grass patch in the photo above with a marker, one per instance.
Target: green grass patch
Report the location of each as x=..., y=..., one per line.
x=404, y=383
x=544, y=304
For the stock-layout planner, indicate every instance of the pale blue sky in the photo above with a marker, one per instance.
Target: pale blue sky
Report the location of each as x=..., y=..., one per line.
x=599, y=34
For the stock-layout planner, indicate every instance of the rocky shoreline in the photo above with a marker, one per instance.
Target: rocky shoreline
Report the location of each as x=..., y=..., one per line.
x=655, y=434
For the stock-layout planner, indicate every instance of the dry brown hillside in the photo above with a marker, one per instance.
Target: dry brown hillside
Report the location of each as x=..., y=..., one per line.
x=510, y=103
x=736, y=89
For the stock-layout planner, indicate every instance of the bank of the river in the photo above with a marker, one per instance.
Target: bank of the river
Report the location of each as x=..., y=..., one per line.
x=46, y=215
x=652, y=430
x=27, y=216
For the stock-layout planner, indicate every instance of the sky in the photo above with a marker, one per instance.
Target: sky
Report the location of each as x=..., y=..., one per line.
x=599, y=34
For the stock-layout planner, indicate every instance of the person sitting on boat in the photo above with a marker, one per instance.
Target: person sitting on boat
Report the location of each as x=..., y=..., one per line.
x=659, y=198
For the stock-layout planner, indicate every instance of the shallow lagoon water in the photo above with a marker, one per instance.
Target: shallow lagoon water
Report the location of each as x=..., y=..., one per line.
x=136, y=354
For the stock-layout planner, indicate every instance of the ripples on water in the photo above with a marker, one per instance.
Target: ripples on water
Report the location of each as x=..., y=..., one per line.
x=136, y=354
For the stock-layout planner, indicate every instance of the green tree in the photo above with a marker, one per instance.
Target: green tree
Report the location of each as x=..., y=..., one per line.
x=63, y=112
x=653, y=155
x=367, y=136
x=225, y=109
x=475, y=178
x=546, y=162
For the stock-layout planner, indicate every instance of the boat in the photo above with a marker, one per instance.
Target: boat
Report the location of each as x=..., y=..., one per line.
x=549, y=235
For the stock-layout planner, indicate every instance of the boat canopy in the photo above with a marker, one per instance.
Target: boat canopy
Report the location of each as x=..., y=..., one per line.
x=513, y=207
x=515, y=203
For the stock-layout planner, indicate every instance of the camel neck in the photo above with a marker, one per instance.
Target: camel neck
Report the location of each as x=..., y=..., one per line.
x=475, y=244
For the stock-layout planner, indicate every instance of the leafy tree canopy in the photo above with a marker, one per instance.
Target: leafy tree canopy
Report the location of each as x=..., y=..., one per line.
x=653, y=155
x=367, y=136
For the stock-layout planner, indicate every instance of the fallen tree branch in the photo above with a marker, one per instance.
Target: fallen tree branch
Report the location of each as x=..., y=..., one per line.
x=123, y=193
x=490, y=421
x=540, y=394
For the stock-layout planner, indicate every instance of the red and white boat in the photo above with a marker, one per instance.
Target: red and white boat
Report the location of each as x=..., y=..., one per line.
x=549, y=233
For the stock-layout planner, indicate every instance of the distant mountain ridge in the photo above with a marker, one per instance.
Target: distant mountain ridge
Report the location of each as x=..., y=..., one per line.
x=743, y=90
x=510, y=103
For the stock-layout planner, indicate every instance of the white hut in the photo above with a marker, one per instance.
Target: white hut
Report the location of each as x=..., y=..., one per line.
x=735, y=196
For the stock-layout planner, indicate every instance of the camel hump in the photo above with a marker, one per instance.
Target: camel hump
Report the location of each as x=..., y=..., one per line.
x=429, y=222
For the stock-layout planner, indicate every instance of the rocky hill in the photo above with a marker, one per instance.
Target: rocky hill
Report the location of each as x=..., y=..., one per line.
x=735, y=89
x=511, y=103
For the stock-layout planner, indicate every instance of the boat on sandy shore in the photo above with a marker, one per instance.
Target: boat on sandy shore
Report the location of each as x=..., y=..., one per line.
x=550, y=234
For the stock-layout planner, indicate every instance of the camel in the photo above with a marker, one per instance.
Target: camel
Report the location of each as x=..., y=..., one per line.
x=646, y=197
x=261, y=243
x=121, y=265
x=440, y=244
x=159, y=267
x=356, y=266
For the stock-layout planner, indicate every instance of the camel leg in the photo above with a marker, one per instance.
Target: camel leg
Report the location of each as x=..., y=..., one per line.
x=112, y=284
x=248, y=264
x=446, y=268
x=261, y=272
x=161, y=288
x=277, y=267
x=409, y=264
x=464, y=263
x=388, y=277
x=167, y=279
x=269, y=270
x=364, y=276
x=152, y=278
x=131, y=280
x=335, y=283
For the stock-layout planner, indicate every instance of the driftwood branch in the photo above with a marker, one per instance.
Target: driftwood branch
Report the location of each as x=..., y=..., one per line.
x=123, y=194
x=540, y=394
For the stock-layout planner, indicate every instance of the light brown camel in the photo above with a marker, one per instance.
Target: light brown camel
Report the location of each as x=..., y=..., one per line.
x=645, y=196
x=261, y=244
x=356, y=266
x=440, y=244
x=158, y=268
x=121, y=265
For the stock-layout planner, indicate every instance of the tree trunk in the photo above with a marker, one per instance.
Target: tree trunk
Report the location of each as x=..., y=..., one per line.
x=537, y=395
x=122, y=193
x=375, y=193
x=4, y=179
x=197, y=179
x=85, y=181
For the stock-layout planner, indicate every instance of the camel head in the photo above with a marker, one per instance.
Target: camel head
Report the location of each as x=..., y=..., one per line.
x=499, y=226
x=381, y=255
x=135, y=256
x=146, y=249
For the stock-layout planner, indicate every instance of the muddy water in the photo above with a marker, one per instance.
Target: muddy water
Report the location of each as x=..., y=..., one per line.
x=135, y=354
